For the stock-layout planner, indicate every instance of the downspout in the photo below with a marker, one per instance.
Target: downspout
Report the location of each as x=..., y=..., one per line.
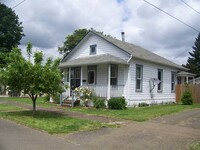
x=131, y=56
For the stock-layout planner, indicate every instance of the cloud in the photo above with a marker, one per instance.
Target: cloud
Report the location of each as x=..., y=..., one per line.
x=47, y=23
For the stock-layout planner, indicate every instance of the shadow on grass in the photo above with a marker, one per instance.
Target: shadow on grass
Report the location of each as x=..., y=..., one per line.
x=38, y=114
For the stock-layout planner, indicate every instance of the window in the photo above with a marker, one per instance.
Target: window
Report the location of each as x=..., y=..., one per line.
x=113, y=76
x=93, y=49
x=173, y=81
x=160, y=78
x=139, y=75
x=66, y=75
x=91, y=74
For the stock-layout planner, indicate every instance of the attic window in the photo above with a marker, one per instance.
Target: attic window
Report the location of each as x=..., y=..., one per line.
x=93, y=49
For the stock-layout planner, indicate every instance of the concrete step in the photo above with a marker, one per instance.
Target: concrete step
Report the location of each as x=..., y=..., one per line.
x=66, y=105
x=69, y=103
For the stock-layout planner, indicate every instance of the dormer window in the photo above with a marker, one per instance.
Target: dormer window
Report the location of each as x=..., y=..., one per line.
x=93, y=49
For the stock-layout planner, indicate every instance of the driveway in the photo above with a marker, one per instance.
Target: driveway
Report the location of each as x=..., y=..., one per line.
x=174, y=132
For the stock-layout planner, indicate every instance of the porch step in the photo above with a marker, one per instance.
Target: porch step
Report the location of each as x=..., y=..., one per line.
x=68, y=103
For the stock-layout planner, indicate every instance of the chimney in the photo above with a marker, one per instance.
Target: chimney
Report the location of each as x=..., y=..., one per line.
x=123, y=36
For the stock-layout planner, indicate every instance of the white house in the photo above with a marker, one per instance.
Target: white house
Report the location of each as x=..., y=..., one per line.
x=114, y=68
x=195, y=81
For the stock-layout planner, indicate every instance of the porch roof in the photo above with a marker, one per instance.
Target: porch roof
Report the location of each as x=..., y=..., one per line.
x=185, y=74
x=92, y=60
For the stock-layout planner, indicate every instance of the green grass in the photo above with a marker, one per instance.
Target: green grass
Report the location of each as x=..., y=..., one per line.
x=6, y=107
x=50, y=122
x=137, y=114
x=195, y=146
x=40, y=101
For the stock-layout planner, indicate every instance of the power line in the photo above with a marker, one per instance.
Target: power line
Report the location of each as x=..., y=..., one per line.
x=181, y=53
x=172, y=16
x=184, y=51
x=19, y=4
x=190, y=6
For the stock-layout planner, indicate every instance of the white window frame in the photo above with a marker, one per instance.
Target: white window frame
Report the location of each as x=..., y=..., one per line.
x=115, y=67
x=173, y=83
x=161, y=81
x=93, y=47
x=140, y=79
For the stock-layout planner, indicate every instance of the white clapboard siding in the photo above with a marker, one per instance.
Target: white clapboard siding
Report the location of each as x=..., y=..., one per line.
x=150, y=70
x=103, y=47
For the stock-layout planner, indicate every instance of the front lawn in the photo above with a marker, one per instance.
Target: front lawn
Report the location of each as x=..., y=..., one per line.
x=26, y=100
x=7, y=108
x=47, y=121
x=137, y=114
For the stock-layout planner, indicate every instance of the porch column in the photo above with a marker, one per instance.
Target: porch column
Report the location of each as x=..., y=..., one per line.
x=108, y=90
x=81, y=76
x=187, y=79
x=69, y=80
x=128, y=93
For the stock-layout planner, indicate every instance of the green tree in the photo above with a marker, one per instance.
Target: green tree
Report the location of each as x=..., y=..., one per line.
x=193, y=62
x=32, y=78
x=11, y=32
x=72, y=40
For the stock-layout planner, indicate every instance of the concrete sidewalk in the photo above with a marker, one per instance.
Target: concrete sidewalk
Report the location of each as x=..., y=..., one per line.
x=18, y=137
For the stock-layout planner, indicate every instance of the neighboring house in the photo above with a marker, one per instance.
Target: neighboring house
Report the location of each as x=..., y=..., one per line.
x=114, y=68
x=195, y=81
x=184, y=77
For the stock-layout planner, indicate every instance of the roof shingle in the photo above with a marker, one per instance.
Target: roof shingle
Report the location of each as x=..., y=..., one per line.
x=93, y=60
x=139, y=52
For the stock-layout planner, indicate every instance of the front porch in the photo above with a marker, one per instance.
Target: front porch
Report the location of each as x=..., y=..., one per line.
x=106, y=77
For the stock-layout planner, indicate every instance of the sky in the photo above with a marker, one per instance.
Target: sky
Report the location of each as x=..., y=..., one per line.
x=46, y=23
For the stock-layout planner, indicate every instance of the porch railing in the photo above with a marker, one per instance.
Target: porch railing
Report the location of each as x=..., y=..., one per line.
x=64, y=95
x=101, y=90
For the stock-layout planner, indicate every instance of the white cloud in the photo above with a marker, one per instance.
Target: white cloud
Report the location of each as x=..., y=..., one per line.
x=47, y=23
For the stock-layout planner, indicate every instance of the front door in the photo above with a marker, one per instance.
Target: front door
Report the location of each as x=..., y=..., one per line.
x=75, y=77
x=91, y=74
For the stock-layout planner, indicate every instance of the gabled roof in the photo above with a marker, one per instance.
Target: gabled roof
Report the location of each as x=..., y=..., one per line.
x=139, y=52
x=134, y=50
x=93, y=60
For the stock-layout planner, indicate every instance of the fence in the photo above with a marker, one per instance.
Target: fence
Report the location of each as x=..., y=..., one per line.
x=193, y=88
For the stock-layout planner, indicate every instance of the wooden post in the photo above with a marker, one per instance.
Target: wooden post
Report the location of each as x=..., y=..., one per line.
x=61, y=99
x=73, y=98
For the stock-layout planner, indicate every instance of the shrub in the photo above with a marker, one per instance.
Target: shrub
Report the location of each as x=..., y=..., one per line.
x=143, y=105
x=46, y=98
x=187, y=98
x=99, y=103
x=117, y=103
x=84, y=93
x=56, y=98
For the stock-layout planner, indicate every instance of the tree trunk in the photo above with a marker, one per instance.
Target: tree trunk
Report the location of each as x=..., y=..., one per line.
x=34, y=103
x=34, y=106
